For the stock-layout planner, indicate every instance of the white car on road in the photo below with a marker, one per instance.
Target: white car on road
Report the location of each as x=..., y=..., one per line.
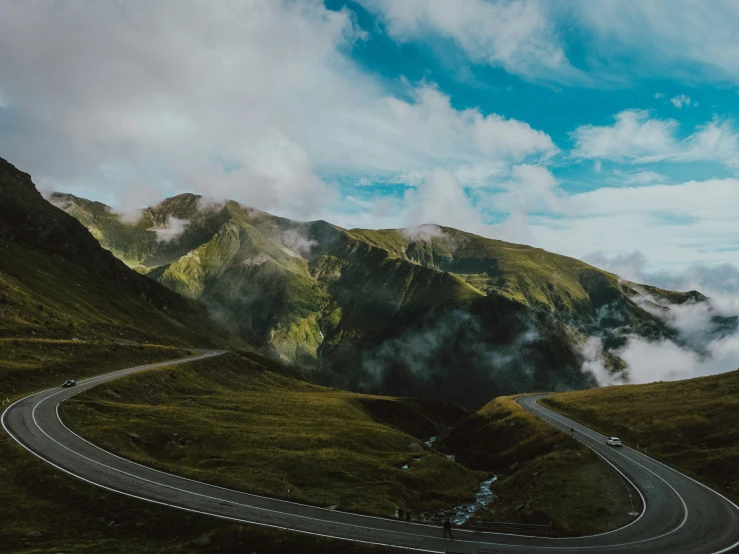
x=613, y=441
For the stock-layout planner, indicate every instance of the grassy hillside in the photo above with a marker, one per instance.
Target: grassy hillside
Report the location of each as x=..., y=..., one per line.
x=57, y=282
x=529, y=275
x=692, y=425
x=232, y=422
x=33, y=364
x=429, y=312
x=44, y=510
x=544, y=475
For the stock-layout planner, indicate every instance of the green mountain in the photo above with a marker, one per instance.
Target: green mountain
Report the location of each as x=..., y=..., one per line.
x=56, y=282
x=428, y=312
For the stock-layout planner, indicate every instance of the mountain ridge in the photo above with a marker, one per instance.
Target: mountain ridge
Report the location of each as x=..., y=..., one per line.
x=394, y=310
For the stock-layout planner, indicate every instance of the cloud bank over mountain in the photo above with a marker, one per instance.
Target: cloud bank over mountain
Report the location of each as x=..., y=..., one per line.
x=571, y=127
x=708, y=335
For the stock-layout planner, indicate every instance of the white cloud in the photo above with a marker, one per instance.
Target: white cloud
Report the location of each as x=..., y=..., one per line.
x=597, y=166
x=594, y=362
x=531, y=188
x=636, y=137
x=680, y=100
x=700, y=350
x=442, y=200
x=717, y=140
x=659, y=95
x=424, y=233
x=703, y=347
x=252, y=100
x=639, y=178
x=633, y=135
x=667, y=361
x=672, y=225
x=170, y=230
x=644, y=178
x=684, y=39
x=691, y=200
x=518, y=36
x=399, y=136
x=157, y=92
x=629, y=266
x=296, y=244
x=720, y=282
x=681, y=38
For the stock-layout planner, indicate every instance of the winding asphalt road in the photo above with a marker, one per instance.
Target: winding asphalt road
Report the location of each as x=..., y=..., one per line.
x=675, y=513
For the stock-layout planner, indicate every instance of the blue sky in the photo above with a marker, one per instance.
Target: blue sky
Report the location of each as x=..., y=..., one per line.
x=546, y=104
x=603, y=130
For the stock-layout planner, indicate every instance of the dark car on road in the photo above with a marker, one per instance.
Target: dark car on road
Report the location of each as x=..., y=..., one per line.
x=69, y=383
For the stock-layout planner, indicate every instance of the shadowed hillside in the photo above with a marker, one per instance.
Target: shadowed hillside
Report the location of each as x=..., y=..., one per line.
x=57, y=282
x=543, y=474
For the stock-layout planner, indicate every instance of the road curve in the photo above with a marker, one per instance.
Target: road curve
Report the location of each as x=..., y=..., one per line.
x=677, y=514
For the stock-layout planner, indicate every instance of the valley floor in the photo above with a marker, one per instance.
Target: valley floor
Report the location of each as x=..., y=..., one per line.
x=230, y=422
x=544, y=475
x=329, y=447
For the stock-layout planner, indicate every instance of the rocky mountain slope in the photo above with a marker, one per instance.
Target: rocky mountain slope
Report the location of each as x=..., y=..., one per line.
x=428, y=312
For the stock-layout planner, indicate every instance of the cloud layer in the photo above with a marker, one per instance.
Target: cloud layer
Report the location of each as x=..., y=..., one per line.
x=636, y=137
x=518, y=36
x=690, y=40
x=708, y=339
x=253, y=100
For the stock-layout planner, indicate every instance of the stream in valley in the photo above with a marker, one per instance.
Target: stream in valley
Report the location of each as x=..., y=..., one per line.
x=463, y=513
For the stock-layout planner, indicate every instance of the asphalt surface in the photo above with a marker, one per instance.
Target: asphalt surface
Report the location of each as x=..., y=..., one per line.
x=674, y=513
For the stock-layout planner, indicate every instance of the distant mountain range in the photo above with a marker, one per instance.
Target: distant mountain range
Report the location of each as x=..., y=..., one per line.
x=427, y=311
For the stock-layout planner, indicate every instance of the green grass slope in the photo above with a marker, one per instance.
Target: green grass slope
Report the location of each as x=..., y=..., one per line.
x=32, y=364
x=544, y=475
x=529, y=275
x=692, y=425
x=244, y=264
x=57, y=282
x=232, y=422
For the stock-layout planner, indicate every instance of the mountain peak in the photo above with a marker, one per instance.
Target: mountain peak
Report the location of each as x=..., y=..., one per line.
x=182, y=206
x=21, y=177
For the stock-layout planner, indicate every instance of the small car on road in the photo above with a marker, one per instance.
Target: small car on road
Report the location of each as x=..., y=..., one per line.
x=69, y=383
x=613, y=441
